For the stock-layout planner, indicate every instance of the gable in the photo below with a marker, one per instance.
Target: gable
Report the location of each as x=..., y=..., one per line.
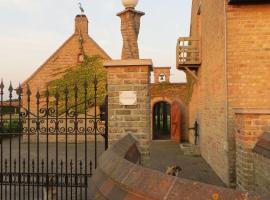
x=64, y=58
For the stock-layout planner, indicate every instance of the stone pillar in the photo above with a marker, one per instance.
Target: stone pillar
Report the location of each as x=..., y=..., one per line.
x=250, y=125
x=129, y=102
x=130, y=27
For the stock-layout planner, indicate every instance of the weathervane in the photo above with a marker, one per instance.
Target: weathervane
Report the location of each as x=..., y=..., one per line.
x=81, y=8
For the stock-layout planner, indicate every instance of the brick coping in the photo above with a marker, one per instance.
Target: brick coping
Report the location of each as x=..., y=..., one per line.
x=120, y=177
x=257, y=111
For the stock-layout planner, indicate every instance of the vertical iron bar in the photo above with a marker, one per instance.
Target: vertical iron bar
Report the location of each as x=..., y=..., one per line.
x=24, y=181
x=42, y=179
x=1, y=139
x=47, y=94
x=61, y=180
x=6, y=179
x=15, y=179
x=38, y=131
x=20, y=128
x=81, y=184
x=56, y=132
x=85, y=135
x=91, y=167
x=66, y=140
x=106, y=123
x=76, y=137
x=51, y=181
x=10, y=140
x=33, y=180
x=28, y=137
x=95, y=117
x=71, y=174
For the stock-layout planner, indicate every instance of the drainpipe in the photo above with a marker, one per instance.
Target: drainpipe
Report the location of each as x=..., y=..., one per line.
x=227, y=146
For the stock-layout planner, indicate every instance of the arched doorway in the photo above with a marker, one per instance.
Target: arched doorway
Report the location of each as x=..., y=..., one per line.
x=162, y=121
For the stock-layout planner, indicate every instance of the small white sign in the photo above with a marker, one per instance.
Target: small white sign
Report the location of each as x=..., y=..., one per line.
x=128, y=98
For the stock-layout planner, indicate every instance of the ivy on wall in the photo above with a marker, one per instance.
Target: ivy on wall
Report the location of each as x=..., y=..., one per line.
x=80, y=75
x=163, y=87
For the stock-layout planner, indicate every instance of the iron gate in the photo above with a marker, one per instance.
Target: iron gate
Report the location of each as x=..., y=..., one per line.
x=49, y=145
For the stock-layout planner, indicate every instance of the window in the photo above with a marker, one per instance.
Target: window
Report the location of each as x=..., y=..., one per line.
x=162, y=78
x=80, y=58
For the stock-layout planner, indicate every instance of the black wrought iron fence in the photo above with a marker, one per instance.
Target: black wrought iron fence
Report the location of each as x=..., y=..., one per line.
x=50, y=145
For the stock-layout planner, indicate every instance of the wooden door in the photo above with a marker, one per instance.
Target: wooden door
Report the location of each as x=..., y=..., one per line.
x=176, y=121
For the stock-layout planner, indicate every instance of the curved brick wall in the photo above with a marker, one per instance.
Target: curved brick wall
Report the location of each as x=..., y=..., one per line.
x=120, y=177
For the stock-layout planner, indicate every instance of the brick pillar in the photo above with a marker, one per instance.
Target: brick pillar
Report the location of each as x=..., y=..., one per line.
x=133, y=76
x=130, y=27
x=250, y=125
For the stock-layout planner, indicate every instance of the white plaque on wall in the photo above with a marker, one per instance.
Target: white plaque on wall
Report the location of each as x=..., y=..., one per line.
x=128, y=98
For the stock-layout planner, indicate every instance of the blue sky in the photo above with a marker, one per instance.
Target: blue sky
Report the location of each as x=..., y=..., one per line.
x=31, y=30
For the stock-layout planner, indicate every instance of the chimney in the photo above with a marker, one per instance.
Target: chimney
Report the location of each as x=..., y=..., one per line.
x=81, y=24
x=130, y=28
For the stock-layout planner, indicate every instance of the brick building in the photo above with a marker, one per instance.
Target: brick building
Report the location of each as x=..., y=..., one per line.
x=67, y=56
x=226, y=59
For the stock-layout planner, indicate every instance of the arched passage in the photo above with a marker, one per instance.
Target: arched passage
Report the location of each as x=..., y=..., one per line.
x=178, y=119
x=161, y=121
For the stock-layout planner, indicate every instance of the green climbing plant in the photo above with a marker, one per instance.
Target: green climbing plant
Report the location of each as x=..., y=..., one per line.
x=81, y=75
x=163, y=87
